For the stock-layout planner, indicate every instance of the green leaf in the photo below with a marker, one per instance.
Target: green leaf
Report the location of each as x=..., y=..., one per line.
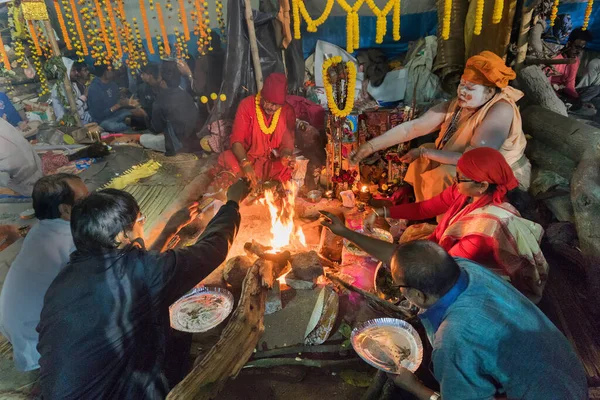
x=345, y=330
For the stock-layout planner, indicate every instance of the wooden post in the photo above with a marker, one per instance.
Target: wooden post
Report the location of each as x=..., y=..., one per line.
x=523, y=39
x=66, y=80
x=253, y=46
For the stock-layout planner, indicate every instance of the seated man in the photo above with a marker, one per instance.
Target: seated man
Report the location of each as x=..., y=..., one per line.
x=77, y=72
x=174, y=115
x=104, y=326
x=147, y=92
x=105, y=105
x=262, y=140
x=20, y=166
x=488, y=340
x=484, y=114
x=45, y=252
x=8, y=112
x=563, y=76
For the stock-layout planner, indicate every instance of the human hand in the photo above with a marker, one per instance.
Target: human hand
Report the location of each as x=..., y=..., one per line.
x=250, y=174
x=183, y=217
x=364, y=151
x=287, y=161
x=184, y=68
x=411, y=156
x=332, y=222
x=406, y=380
x=238, y=190
x=369, y=222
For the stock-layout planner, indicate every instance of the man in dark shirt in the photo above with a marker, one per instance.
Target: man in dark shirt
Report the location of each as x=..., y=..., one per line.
x=175, y=114
x=104, y=103
x=105, y=321
x=150, y=87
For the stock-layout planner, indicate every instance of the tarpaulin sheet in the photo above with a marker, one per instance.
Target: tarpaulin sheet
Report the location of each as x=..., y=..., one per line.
x=577, y=11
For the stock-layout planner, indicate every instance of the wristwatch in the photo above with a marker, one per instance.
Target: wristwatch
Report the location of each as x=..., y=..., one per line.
x=435, y=396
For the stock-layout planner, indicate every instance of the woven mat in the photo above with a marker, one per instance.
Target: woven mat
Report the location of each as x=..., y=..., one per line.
x=176, y=159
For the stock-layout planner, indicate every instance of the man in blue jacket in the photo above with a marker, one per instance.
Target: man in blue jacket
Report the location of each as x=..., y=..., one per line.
x=104, y=102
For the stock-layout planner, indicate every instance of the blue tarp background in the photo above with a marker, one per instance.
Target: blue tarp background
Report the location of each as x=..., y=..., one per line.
x=577, y=11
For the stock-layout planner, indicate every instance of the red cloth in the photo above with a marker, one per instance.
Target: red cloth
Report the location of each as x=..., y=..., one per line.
x=275, y=88
x=567, y=75
x=450, y=203
x=307, y=111
x=259, y=146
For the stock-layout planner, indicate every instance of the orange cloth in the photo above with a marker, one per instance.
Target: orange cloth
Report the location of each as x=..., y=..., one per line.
x=488, y=69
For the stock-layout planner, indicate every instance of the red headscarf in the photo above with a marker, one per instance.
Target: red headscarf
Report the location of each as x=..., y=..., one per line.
x=482, y=164
x=275, y=88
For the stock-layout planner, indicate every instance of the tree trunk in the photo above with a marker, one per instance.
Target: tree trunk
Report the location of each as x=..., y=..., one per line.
x=565, y=135
x=538, y=90
x=544, y=157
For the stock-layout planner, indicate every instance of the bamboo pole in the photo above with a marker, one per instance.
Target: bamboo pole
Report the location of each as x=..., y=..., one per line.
x=523, y=39
x=66, y=80
x=253, y=46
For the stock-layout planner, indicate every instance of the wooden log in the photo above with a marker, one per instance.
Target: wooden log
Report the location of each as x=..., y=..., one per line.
x=585, y=196
x=565, y=135
x=538, y=90
x=236, y=270
x=234, y=348
x=544, y=157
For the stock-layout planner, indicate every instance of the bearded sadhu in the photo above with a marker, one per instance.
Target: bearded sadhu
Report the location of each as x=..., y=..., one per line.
x=484, y=114
x=262, y=139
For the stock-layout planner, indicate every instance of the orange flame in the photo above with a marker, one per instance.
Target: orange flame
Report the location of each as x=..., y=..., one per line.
x=284, y=233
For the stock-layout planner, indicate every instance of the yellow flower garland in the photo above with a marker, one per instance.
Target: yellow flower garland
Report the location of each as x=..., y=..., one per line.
x=382, y=17
x=447, y=19
x=350, y=87
x=554, y=13
x=588, y=12
x=479, y=17
x=296, y=12
x=498, y=10
x=313, y=24
x=260, y=118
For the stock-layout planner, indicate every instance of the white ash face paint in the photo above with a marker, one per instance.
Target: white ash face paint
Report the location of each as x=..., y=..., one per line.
x=472, y=95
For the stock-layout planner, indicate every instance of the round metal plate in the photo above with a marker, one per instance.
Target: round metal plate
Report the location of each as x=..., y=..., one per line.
x=201, y=310
x=377, y=233
x=388, y=344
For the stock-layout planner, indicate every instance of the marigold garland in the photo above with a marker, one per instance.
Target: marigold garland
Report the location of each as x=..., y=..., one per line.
x=115, y=31
x=75, y=15
x=312, y=24
x=163, y=28
x=184, y=21
x=221, y=19
x=382, y=17
x=352, y=24
x=588, y=12
x=63, y=27
x=34, y=38
x=554, y=12
x=350, y=87
x=447, y=19
x=479, y=17
x=3, y=55
x=396, y=21
x=146, y=27
x=260, y=117
x=73, y=35
x=498, y=10
x=296, y=14
x=100, y=15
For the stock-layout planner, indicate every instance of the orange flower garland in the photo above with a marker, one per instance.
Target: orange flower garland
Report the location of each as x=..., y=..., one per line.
x=4, y=55
x=75, y=14
x=163, y=28
x=100, y=15
x=200, y=30
x=184, y=21
x=63, y=28
x=115, y=31
x=588, y=12
x=146, y=27
x=34, y=38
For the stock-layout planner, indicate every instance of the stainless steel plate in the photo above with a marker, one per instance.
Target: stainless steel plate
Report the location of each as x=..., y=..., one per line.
x=388, y=344
x=201, y=310
x=377, y=233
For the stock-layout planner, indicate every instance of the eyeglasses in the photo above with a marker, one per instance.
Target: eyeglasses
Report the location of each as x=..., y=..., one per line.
x=141, y=219
x=458, y=179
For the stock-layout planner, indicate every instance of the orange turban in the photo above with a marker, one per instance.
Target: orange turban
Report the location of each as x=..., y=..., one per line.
x=489, y=70
x=275, y=88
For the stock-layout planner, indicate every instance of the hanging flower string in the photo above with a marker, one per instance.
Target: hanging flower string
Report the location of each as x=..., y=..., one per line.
x=163, y=29
x=221, y=19
x=447, y=19
x=184, y=21
x=34, y=38
x=100, y=15
x=352, y=24
x=146, y=27
x=588, y=12
x=313, y=24
x=554, y=13
x=498, y=10
x=350, y=87
x=72, y=29
x=260, y=117
x=382, y=18
x=115, y=31
x=479, y=17
x=63, y=27
x=75, y=15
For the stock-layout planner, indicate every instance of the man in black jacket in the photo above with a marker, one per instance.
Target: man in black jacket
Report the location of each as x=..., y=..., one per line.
x=105, y=321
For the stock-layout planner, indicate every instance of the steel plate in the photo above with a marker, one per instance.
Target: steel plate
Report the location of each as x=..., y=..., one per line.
x=201, y=310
